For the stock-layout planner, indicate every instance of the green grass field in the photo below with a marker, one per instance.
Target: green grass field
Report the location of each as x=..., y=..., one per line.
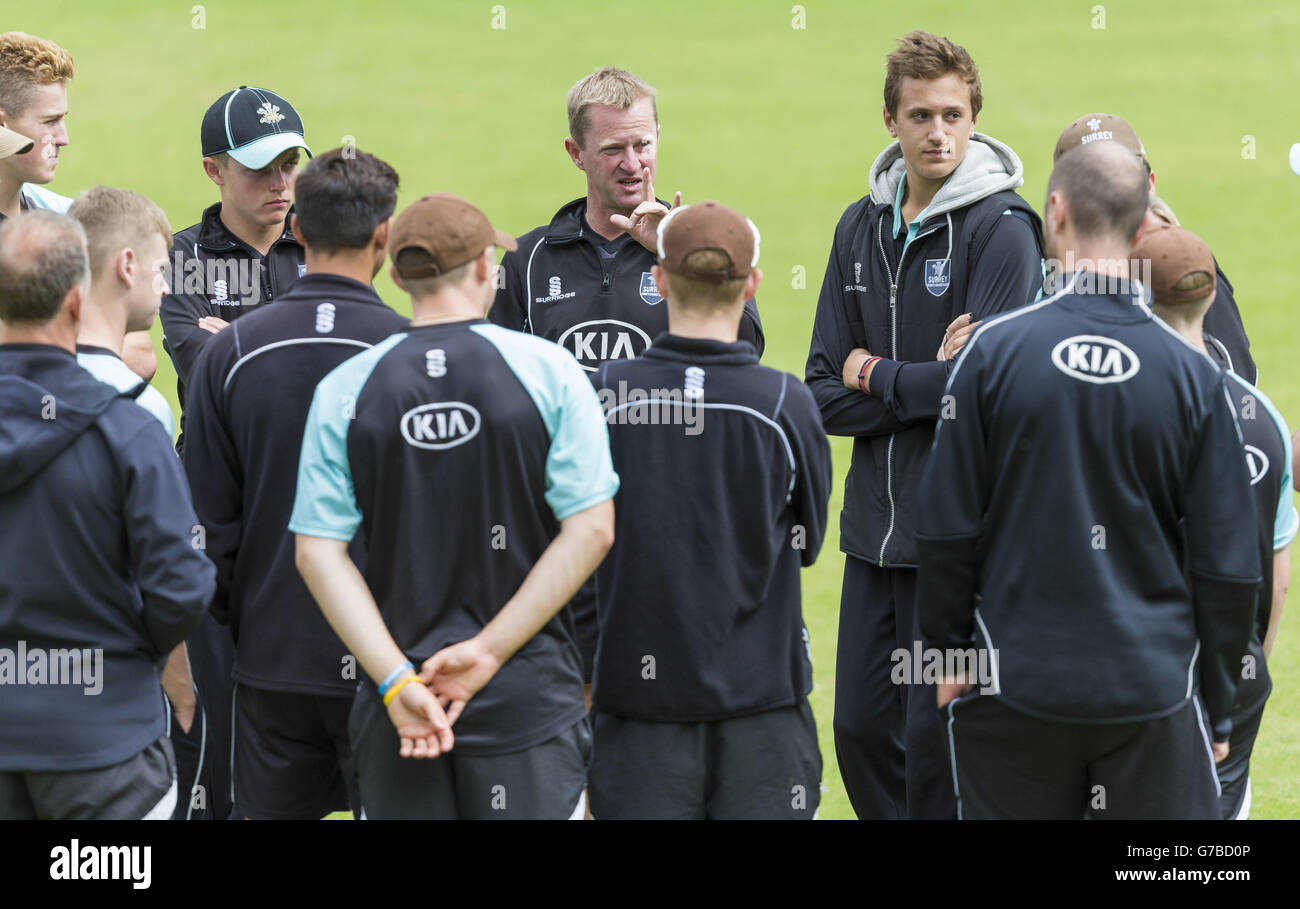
x=780, y=122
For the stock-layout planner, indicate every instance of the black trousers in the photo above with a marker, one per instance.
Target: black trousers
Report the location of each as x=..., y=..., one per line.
x=762, y=766
x=142, y=787
x=203, y=755
x=1007, y=764
x=542, y=782
x=887, y=736
x=1234, y=772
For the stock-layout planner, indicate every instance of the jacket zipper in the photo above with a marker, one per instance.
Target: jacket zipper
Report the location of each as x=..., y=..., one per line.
x=894, y=278
x=606, y=271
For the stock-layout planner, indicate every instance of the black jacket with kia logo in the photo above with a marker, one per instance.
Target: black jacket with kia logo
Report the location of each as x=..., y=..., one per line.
x=1089, y=455
x=559, y=286
x=214, y=273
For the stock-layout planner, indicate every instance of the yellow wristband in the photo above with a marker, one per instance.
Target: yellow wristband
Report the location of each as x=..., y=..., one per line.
x=398, y=686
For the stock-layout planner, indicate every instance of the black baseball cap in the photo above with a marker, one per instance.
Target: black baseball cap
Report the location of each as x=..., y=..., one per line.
x=253, y=126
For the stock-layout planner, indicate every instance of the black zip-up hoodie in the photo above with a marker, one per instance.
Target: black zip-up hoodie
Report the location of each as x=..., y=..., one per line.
x=1083, y=433
x=96, y=557
x=214, y=273
x=976, y=249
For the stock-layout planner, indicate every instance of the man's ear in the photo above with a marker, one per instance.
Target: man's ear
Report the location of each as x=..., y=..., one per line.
x=889, y=121
x=380, y=238
x=1056, y=210
x=751, y=283
x=397, y=279
x=483, y=265
x=72, y=302
x=124, y=266
x=213, y=170
x=661, y=280
x=297, y=231
x=575, y=153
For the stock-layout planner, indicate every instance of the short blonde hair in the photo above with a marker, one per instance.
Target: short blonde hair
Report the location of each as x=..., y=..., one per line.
x=25, y=63
x=422, y=288
x=115, y=219
x=702, y=294
x=1160, y=208
x=615, y=87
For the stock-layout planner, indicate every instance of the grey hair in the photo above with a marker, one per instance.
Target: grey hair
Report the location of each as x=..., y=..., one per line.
x=43, y=256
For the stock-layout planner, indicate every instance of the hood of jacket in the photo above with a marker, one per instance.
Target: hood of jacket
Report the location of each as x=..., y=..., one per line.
x=989, y=167
x=46, y=402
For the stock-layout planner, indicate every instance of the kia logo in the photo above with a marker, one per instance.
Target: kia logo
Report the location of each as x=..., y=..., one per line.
x=592, y=343
x=438, y=426
x=1093, y=358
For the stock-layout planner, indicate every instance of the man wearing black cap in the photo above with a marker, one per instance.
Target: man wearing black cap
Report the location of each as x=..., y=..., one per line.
x=475, y=462
x=294, y=679
x=702, y=674
x=1113, y=594
x=1183, y=290
x=1223, y=320
x=241, y=255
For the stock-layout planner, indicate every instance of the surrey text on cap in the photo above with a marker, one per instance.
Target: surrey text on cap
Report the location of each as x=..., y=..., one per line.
x=12, y=143
x=1099, y=128
x=252, y=125
x=1175, y=253
x=441, y=232
x=689, y=229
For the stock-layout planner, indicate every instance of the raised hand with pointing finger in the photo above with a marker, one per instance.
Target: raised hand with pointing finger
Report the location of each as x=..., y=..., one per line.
x=643, y=224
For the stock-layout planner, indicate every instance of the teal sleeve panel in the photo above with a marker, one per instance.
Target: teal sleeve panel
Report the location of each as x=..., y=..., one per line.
x=579, y=470
x=1285, y=520
x=325, y=504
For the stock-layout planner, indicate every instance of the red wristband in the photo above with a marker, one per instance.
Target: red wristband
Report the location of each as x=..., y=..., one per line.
x=862, y=373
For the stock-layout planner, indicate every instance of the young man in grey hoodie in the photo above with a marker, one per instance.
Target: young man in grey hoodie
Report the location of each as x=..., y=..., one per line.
x=941, y=242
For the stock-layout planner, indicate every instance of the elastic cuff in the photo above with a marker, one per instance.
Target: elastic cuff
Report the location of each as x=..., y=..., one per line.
x=882, y=378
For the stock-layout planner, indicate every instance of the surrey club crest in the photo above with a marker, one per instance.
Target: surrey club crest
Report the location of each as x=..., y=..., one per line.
x=649, y=290
x=270, y=113
x=938, y=272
